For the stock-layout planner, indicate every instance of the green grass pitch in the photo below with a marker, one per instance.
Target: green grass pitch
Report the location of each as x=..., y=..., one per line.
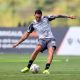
x=62, y=68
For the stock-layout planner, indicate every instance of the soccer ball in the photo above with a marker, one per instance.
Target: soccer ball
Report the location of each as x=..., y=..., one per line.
x=35, y=68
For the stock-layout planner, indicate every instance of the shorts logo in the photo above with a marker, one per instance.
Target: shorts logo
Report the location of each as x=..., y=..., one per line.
x=52, y=42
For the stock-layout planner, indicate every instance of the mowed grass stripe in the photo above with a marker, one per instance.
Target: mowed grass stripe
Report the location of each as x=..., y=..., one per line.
x=28, y=75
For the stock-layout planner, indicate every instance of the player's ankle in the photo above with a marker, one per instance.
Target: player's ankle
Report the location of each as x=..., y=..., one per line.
x=47, y=66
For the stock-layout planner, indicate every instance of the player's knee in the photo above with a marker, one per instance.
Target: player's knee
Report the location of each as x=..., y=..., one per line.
x=37, y=49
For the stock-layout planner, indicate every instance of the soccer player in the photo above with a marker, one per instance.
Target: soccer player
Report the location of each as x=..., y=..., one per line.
x=46, y=39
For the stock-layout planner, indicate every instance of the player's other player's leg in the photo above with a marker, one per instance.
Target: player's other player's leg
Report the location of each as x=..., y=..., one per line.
x=33, y=56
x=49, y=60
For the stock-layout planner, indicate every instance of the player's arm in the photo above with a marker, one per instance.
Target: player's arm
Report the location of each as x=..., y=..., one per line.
x=25, y=35
x=64, y=16
x=52, y=17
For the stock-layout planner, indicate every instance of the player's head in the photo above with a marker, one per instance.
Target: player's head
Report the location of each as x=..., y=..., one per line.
x=38, y=15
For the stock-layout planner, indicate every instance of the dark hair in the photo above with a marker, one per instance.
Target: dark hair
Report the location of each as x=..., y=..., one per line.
x=38, y=12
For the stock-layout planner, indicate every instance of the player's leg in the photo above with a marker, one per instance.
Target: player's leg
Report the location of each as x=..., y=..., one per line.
x=51, y=45
x=33, y=56
x=50, y=54
x=36, y=51
x=49, y=59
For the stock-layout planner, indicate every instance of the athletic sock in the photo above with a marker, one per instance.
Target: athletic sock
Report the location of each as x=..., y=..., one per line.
x=47, y=66
x=30, y=63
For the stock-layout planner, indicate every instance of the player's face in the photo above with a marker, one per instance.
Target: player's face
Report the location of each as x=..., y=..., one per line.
x=38, y=17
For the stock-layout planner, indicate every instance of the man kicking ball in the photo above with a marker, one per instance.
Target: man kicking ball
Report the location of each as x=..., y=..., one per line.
x=46, y=38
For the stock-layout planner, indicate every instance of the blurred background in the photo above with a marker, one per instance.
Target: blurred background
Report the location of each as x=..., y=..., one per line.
x=14, y=13
x=15, y=16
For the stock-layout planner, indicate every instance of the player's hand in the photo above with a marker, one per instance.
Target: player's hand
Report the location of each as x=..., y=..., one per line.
x=72, y=17
x=14, y=45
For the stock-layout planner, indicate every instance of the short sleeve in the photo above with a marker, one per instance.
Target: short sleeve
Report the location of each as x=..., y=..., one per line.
x=51, y=17
x=30, y=28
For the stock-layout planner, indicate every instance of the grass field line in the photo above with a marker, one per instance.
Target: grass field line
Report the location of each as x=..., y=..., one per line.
x=28, y=75
x=55, y=60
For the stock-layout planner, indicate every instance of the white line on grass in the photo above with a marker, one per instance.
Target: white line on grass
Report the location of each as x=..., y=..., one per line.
x=27, y=60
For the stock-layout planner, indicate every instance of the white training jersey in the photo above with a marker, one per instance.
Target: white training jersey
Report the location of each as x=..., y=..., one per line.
x=42, y=27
